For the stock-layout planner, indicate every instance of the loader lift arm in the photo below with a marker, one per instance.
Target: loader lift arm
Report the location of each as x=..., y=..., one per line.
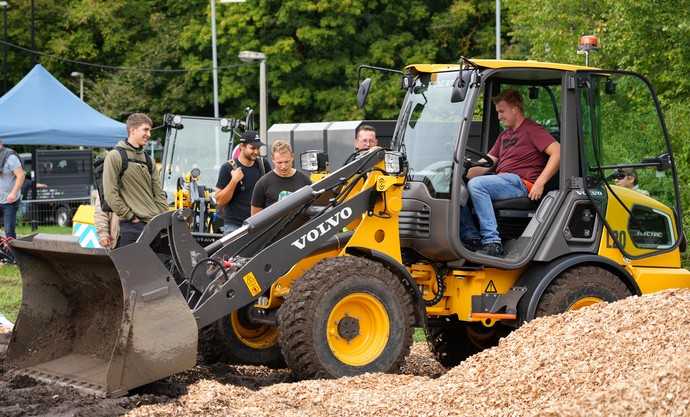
x=240, y=267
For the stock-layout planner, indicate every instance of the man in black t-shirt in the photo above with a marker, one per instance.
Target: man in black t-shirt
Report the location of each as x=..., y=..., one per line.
x=236, y=181
x=279, y=183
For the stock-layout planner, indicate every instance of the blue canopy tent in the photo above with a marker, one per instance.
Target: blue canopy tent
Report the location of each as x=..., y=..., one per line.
x=39, y=110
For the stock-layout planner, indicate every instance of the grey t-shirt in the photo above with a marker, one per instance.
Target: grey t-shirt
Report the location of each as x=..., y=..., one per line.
x=7, y=178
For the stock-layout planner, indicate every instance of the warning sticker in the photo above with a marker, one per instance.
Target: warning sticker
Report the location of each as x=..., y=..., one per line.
x=491, y=288
x=252, y=284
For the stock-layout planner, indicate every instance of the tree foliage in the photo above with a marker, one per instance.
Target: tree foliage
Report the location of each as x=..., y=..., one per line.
x=313, y=51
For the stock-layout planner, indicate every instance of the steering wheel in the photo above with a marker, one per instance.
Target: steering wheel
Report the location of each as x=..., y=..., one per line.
x=488, y=161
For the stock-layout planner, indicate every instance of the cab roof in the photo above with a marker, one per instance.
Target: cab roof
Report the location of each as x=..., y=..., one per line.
x=499, y=63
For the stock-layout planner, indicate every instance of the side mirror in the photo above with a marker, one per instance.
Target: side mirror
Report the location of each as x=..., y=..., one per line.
x=460, y=87
x=363, y=92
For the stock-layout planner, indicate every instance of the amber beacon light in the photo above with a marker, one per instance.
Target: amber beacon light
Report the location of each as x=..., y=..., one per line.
x=587, y=44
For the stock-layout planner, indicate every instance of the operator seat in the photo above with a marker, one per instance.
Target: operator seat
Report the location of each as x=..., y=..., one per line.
x=523, y=207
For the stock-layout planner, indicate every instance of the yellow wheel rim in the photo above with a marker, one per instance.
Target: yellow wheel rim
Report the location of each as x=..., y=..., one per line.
x=358, y=329
x=584, y=302
x=255, y=336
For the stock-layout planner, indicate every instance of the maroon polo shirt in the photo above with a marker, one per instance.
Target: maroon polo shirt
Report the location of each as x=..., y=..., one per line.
x=521, y=151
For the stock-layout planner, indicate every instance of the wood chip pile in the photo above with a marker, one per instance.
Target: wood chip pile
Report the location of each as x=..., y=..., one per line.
x=628, y=358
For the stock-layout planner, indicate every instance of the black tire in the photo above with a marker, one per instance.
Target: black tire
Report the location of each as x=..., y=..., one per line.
x=360, y=289
x=233, y=339
x=453, y=343
x=63, y=216
x=576, y=287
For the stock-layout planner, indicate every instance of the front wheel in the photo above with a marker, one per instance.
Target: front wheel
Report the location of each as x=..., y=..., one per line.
x=346, y=316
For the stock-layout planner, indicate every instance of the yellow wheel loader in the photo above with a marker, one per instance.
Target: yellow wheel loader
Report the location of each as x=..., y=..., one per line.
x=336, y=276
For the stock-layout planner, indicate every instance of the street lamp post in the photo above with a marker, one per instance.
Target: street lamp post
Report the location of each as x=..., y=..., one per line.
x=80, y=75
x=214, y=52
x=33, y=31
x=252, y=56
x=498, y=29
x=4, y=6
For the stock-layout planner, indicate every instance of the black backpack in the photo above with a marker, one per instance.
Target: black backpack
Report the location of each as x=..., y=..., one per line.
x=98, y=164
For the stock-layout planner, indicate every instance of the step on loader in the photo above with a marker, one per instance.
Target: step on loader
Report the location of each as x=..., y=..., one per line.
x=332, y=280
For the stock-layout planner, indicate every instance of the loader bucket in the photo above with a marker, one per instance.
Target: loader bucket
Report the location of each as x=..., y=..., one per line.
x=102, y=322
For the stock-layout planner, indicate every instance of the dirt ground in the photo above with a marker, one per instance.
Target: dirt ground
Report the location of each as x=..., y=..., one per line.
x=22, y=396
x=628, y=358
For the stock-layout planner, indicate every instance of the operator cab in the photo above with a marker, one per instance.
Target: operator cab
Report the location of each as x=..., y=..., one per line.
x=448, y=123
x=439, y=158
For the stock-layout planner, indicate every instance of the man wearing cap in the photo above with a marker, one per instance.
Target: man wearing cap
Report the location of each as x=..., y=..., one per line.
x=236, y=181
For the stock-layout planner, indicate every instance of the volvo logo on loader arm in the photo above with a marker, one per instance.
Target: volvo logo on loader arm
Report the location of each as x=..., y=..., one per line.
x=322, y=228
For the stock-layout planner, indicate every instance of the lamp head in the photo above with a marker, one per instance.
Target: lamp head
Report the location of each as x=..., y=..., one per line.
x=251, y=56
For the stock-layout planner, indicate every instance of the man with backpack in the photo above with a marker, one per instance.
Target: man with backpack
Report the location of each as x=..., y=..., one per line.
x=11, y=179
x=131, y=181
x=236, y=181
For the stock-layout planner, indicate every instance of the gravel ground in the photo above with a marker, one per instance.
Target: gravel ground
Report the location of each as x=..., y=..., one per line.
x=628, y=358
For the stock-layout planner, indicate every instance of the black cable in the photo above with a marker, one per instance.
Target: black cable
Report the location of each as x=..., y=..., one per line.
x=441, y=285
x=118, y=68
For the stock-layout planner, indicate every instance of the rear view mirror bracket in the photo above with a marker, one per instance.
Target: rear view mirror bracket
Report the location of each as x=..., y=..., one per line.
x=365, y=85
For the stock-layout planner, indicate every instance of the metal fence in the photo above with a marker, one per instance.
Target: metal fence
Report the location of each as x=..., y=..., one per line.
x=47, y=212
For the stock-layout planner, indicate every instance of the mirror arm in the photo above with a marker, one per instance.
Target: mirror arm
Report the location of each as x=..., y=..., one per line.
x=371, y=67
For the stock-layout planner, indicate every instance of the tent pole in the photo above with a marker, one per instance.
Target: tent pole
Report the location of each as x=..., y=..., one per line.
x=4, y=6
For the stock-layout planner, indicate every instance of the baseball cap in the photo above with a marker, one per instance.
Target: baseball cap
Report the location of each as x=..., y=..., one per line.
x=251, y=137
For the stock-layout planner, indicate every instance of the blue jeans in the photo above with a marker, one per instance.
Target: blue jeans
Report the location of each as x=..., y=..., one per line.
x=483, y=190
x=9, y=216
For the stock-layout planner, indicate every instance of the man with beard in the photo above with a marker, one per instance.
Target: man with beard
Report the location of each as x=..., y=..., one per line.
x=236, y=181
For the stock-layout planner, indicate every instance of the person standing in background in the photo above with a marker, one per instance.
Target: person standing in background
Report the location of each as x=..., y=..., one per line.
x=11, y=180
x=236, y=181
x=365, y=138
x=281, y=182
x=131, y=181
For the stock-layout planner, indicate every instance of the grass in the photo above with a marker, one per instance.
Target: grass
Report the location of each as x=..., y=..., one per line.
x=10, y=280
x=10, y=291
x=25, y=229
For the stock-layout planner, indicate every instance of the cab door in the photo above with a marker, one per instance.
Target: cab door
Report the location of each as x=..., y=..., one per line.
x=628, y=167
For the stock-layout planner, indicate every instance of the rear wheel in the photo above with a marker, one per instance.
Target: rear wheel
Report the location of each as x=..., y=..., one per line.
x=580, y=287
x=453, y=343
x=346, y=316
x=235, y=339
